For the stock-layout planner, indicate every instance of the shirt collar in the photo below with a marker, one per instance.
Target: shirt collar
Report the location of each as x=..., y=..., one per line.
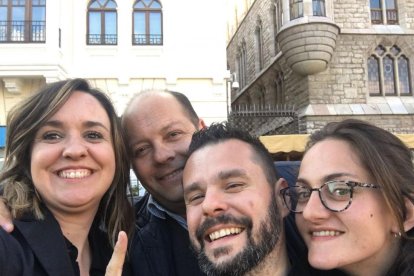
x=160, y=212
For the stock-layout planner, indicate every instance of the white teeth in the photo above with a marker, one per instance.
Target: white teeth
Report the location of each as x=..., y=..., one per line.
x=74, y=173
x=224, y=232
x=171, y=175
x=326, y=233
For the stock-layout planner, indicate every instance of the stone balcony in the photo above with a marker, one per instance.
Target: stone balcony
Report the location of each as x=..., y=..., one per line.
x=308, y=45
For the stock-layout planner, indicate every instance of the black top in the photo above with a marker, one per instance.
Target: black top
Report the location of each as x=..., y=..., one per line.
x=38, y=247
x=160, y=246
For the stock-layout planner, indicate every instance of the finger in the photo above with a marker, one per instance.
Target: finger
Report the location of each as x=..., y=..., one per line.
x=116, y=263
x=5, y=216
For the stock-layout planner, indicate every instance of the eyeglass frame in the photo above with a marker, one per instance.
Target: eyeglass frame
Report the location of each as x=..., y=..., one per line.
x=349, y=183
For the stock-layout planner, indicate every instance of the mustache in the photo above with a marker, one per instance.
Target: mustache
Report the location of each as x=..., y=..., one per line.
x=222, y=219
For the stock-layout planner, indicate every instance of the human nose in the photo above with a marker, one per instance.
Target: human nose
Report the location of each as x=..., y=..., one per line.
x=213, y=204
x=75, y=147
x=163, y=153
x=314, y=208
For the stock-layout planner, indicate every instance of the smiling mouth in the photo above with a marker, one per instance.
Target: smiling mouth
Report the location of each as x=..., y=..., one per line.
x=326, y=233
x=74, y=174
x=223, y=233
x=171, y=175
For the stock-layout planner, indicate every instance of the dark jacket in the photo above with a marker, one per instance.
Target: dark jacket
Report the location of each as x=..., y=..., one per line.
x=160, y=246
x=38, y=247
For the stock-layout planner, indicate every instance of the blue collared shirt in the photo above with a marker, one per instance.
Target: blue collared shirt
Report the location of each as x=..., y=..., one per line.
x=160, y=212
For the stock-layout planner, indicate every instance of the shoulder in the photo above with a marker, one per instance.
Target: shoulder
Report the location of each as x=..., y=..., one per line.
x=15, y=254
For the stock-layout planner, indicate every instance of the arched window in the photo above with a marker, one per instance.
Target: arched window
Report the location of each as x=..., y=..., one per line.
x=147, y=23
x=22, y=21
x=389, y=72
x=242, y=65
x=279, y=89
x=259, y=47
x=102, y=23
x=384, y=12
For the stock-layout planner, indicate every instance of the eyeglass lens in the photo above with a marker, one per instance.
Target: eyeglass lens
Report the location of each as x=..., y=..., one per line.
x=335, y=196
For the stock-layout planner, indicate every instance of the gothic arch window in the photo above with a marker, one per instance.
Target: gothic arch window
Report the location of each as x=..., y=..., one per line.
x=259, y=47
x=389, y=72
x=147, y=21
x=23, y=21
x=384, y=12
x=279, y=89
x=102, y=23
x=241, y=65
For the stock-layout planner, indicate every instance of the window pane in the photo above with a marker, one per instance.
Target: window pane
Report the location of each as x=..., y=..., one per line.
x=373, y=76
x=404, y=75
x=111, y=5
x=94, y=22
x=18, y=2
x=18, y=13
x=155, y=23
x=3, y=13
x=94, y=5
x=318, y=7
x=38, y=2
x=156, y=5
x=110, y=22
x=38, y=14
x=389, y=85
x=375, y=4
x=139, y=5
x=389, y=4
x=139, y=23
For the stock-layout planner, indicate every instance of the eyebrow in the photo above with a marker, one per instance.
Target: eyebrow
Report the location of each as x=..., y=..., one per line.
x=326, y=178
x=87, y=124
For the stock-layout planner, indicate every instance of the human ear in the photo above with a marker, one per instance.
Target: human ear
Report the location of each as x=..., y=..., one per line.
x=409, y=218
x=279, y=185
x=201, y=124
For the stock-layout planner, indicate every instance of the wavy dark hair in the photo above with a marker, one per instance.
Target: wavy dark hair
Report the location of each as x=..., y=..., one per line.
x=221, y=132
x=390, y=162
x=25, y=119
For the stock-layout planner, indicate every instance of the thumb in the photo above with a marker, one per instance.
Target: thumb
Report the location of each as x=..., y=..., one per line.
x=116, y=263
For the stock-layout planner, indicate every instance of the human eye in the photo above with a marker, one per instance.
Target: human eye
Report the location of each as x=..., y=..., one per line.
x=234, y=187
x=173, y=135
x=338, y=190
x=140, y=151
x=94, y=135
x=51, y=136
x=301, y=194
x=195, y=199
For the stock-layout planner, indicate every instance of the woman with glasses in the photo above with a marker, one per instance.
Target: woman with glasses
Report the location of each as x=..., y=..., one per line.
x=354, y=200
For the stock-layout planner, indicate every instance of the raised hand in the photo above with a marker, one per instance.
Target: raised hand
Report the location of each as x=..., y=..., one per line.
x=116, y=263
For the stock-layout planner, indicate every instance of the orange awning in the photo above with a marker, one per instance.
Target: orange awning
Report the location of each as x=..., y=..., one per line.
x=297, y=142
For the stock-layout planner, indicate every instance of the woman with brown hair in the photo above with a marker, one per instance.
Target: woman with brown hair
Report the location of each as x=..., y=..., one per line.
x=64, y=179
x=354, y=200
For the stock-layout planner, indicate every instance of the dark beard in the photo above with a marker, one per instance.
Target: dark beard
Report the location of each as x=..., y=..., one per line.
x=252, y=254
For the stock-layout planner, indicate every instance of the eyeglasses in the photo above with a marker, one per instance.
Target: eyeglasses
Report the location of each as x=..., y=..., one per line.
x=335, y=195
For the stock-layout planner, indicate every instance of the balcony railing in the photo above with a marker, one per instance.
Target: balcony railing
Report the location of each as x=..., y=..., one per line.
x=392, y=16
x=102, y=39
x=146, y=39
x=22, y=31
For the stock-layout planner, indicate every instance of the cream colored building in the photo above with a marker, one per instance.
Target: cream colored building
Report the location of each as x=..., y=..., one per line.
x=177, y=45
x=328, y=59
